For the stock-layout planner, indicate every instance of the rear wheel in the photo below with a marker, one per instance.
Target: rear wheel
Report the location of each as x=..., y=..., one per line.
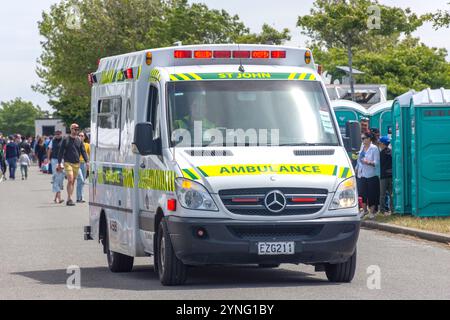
x=117, y=262
x=171, y=270
x=342, y=272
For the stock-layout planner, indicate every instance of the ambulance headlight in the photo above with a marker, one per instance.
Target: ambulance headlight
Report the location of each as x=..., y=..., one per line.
x=345, y=196
x=194, y=196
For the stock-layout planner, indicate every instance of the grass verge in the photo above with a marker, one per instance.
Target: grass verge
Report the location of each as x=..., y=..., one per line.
x=439, y=225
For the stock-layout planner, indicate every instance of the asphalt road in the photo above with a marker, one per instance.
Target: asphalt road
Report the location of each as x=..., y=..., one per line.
x=40, y=240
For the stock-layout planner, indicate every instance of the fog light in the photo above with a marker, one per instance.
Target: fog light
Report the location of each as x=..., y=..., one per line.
x=201, y=233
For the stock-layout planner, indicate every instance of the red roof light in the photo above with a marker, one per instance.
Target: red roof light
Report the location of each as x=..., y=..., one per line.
x=260, y=54
x=203, y=54
x=241, y=54
x=222, y=54
x=129, y=73
x=278, y=54
x=182, y=54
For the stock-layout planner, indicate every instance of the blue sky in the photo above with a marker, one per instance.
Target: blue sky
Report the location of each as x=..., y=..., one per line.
x=20, y=41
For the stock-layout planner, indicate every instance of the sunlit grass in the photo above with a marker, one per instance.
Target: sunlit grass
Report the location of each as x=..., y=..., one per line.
x=440, y=225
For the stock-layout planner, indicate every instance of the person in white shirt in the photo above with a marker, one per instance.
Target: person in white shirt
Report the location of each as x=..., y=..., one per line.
x=367, y=172
x=24, y=162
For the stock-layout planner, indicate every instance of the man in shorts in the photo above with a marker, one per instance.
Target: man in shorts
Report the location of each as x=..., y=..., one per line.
x=70, y=151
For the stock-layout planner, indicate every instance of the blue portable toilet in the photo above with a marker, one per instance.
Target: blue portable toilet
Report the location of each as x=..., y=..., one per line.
x=346, y=110
x=381, y=117
x=401, y=153
x=430, y=153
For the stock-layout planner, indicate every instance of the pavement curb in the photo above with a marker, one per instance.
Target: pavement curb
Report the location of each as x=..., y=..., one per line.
x=426, y=235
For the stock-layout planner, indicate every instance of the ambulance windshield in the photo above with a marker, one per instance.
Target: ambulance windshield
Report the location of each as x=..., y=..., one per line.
x=249, y=113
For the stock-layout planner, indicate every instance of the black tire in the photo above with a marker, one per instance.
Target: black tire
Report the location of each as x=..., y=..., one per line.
x=342, y=272
x=117, y=262
x=268, y=265
x=171, y=270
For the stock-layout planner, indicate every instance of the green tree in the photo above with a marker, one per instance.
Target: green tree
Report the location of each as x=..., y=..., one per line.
x=406, y=65
x=441, y=18
x=17, y=116
x=350, y=24
x=72, y=47
x=268, y=35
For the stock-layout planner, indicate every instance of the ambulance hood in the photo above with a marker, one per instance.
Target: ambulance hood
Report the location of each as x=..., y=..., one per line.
x=260, y=167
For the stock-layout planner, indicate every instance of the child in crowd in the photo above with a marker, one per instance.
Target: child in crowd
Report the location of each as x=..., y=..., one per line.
x=24, y=162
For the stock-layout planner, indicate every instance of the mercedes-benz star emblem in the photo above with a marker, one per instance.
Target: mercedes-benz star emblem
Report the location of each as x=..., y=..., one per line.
x=275, y=201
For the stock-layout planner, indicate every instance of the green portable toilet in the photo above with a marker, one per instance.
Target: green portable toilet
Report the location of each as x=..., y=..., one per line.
x=346, y=110
x=430, y=153
x=401, y=153
x=381, y=117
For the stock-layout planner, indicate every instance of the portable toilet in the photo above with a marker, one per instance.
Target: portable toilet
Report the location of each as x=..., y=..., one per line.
x=401, y=153
x=430, y=153
x=381, y=117
x=346, y=110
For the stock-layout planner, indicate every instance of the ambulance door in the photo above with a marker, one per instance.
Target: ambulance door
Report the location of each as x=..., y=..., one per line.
x=151, y=169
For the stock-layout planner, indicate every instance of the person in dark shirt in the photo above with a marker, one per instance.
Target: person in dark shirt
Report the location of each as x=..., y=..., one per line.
x=12, y=154
x=39, y=149
x=385, y=174
x=25, y=146
x=70, y=151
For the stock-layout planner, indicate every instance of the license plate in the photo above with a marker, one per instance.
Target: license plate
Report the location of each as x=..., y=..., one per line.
x=275, y=248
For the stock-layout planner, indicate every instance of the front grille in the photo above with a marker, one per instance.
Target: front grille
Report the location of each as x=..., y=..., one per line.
x=325, y=152
x=275, y=231
x=299, y=201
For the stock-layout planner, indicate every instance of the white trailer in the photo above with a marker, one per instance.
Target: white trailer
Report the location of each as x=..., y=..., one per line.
x=48, y=126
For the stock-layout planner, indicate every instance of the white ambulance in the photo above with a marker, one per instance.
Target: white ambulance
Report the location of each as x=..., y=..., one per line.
x=220, y=154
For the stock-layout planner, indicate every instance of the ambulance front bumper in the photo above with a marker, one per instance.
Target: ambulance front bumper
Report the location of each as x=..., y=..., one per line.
x=226, y=241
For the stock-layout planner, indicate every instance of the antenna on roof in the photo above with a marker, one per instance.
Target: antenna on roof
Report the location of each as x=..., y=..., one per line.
x=241, y=67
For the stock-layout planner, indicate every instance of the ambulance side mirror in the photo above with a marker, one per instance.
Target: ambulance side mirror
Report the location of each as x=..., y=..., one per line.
x=143, y=143
x=352, y=142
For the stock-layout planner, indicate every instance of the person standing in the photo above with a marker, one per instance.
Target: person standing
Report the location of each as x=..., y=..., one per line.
x=12, y=154
x=71, y=149
x=386, y=175
x=366, y=170
x=40, y=152
x=58, y=175
x=2, y=159
x=24, y=162
x=82, y=175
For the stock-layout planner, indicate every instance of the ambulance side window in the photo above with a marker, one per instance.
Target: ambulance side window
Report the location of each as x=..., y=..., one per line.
x=108, y=123
x=152, y=111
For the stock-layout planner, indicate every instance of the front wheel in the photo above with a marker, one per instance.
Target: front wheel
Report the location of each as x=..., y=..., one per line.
x=342, y=272
x=171, y=270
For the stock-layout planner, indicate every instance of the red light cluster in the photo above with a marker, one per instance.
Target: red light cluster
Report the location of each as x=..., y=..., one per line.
x=225, y=54
x=129, y=73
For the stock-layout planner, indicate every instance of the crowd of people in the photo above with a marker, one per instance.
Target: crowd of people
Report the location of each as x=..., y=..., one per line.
x=374, y=172
x=65, y=157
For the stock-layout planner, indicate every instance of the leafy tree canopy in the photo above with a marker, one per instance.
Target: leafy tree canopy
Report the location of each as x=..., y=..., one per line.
x=403, y=66
x=17, y=116
x=78, y=32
